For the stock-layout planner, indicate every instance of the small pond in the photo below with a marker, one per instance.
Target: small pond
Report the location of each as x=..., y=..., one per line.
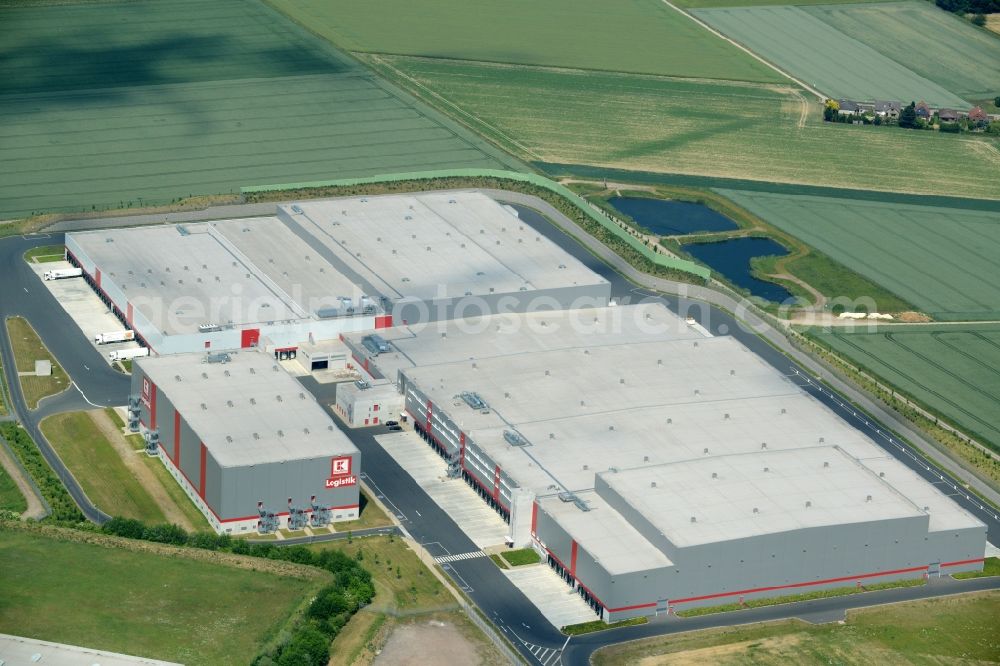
x=732, y=258
x=671, y=218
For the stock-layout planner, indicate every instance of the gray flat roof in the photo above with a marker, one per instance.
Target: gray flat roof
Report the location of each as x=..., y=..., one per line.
x=608, y=537
x=633, y=396
x=439, y=244
x=244, y=271
x=719, y=498
x=17, y=650
x=247, y=411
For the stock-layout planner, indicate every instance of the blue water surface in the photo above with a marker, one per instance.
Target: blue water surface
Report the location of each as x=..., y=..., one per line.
x=732, y=258
x=671, y=218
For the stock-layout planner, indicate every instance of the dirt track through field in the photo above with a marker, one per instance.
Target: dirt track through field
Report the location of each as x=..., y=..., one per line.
x=142, y=473
x=35, y=509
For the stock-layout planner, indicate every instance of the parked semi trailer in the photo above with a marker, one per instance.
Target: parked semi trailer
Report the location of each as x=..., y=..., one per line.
x=114, y=336
x=127, y=354
x=60, y=273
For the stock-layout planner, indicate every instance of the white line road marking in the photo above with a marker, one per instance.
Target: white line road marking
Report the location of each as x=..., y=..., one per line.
x=459, y=556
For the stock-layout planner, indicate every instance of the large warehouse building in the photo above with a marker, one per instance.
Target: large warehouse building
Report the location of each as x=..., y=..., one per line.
x=322, y=268
x=250, y=446
x=660, y=468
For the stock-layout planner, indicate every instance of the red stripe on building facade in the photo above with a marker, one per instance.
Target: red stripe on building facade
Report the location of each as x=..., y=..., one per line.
x=128, y=314
x=961, y=562
x=97, y=277
x=177, y=438
x=496, y=483
x=827, y=581
x=152, y=406
x=384, y=321
x=201, y=480
x=572, y=558
x=534, y=517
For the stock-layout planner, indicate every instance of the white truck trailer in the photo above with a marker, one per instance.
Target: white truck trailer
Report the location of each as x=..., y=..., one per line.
x=128, y=354
x=114, y=336
x=60, y=273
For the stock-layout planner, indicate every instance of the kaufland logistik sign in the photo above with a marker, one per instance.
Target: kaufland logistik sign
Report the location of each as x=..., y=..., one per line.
x=340, y=473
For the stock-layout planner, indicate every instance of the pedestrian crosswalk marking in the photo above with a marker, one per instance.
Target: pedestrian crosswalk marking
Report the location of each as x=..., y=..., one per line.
x=460, y=556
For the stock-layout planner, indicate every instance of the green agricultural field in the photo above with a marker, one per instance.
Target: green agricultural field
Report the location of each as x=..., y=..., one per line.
x=942, y=260
x=644, y=36
x=697, y=4
x=953, y=370
x=935, y=44
x=121, y=103
x=157, y=605
x=804, y=45
x=643, y=123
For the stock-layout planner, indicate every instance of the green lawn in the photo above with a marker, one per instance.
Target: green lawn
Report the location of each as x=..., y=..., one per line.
x=122, y=103
x=370, y=515
x=28, y=348
x=953, y=53
x=99, y=469
x=942, y=260
x=640, y=123
x=953, y=370
x=11, y=498
x=45, y=253
x=142, y=603
x=949, y=630
x=643, y=36
x=520, y=557
x=822, y=56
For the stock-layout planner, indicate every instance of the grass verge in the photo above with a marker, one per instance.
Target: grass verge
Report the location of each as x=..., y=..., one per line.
x=792, y=598
x=520, y=557
x=45, y=253
x=991, y=567
x=369, y=516
x=600, y=625
x=958, y=629
x=101, y=472
x=28, y=348
x=64, y=509
x=499, y=561
x=154, y=601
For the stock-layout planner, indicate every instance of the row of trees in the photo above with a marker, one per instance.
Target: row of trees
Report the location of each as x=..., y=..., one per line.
x=308, y=642
x=978, y=7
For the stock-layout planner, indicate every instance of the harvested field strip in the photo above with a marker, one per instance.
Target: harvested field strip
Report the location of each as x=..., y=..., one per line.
x=953, y=53
x=943, y=260
x=951, y=369
x=642, y=36
x=642, y=123
x=803, y=45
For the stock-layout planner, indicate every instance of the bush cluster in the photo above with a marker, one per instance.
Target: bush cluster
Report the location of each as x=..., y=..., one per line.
x=308, y=642
x=64, y=509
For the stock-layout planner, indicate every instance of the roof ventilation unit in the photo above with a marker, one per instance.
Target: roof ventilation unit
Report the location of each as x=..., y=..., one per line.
x=515, y=438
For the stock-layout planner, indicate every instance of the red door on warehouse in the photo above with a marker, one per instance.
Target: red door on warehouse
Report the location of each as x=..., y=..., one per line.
x=250, y=337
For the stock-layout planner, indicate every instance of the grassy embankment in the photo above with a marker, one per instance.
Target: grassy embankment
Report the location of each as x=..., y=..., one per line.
x=137, y=598
x=113, y=483
x=28, y=348
x=959, y=629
